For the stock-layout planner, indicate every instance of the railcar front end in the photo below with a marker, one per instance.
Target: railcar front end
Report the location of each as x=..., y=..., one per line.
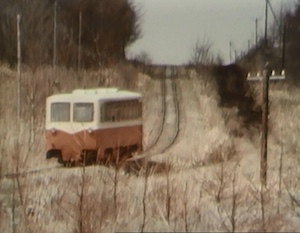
x=102, y=125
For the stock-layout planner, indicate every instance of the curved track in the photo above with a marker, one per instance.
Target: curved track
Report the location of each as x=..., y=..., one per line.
x=169, y=125
x=163, y=113
x=168, y=129
x=25, y=173
x=177, y=116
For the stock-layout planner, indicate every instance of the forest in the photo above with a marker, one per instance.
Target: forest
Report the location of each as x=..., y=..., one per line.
x=93, y=32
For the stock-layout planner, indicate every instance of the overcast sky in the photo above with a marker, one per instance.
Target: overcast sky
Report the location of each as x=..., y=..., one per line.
x=170, y=28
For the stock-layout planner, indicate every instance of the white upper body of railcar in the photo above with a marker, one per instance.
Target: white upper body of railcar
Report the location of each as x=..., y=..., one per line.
x=93, y=109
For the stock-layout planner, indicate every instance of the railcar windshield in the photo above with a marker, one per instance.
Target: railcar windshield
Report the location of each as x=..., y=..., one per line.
x=123, y=110
x=83, y=112
x=60, y=112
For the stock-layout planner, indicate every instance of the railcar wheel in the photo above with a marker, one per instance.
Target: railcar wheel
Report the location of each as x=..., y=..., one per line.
x=53, y=154
x=108, y=156
x=49, y=155
x=65, y=163
x=88, y=157
x=60, y=160
x=68, y=163
x=132, y=149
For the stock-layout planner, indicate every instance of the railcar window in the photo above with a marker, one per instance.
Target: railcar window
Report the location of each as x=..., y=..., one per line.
x=60, y=112
x=121, y=110
x=83, y=112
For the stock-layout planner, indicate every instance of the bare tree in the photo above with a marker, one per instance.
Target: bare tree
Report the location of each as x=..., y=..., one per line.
x=145, y=201
x=185, y=205
x=168, y=195
x=292, y=36
x=202, y=54
x=143, y=57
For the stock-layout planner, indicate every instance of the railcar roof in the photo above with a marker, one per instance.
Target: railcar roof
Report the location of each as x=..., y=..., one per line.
x=95, y=94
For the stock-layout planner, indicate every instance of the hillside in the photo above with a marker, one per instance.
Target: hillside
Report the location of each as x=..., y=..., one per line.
x=211, y=181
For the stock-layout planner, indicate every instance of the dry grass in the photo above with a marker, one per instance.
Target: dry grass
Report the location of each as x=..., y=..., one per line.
x=215, y=186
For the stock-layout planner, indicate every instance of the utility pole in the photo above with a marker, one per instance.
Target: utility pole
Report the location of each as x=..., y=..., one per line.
x=264, y=136
x=266, y=23
x=79, y=41
x=19, y=69
x=230, y=46
x=283, y=46
x=256, y=36
x=54, y=35
x=265, y=98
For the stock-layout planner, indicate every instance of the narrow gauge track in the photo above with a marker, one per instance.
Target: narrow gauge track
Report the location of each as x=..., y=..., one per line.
x=163, y=112
x=11, y=175
x=169, y=125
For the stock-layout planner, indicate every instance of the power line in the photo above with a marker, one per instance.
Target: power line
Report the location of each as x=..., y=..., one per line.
x=274, y=15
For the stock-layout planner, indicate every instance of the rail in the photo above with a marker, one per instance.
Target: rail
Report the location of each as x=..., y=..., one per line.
x=170, y=75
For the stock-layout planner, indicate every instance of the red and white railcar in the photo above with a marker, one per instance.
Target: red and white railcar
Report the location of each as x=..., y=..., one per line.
x=103, y=124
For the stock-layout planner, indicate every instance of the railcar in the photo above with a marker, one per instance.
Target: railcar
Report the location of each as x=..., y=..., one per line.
x=101, y=125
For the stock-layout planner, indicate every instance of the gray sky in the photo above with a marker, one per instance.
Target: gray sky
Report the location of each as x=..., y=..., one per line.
x=170, y=28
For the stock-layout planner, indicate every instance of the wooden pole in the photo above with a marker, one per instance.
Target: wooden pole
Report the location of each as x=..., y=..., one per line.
x=79, y=42
x=52, y=81
x=264, y=137
x=54, y=35
x=230, y=45
x=283, y=47
x=266, y=22
x=19, y=69
x=18, y=109
x=256, y=35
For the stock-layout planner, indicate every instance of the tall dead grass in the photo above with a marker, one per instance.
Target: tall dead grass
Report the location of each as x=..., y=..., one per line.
x=216, y=197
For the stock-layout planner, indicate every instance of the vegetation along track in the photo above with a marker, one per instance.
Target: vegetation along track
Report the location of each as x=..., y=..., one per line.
x=13, y=175
x=169, y=123
x=167, y=132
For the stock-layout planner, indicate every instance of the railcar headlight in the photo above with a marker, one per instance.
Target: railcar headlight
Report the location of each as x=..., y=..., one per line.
x=90, y=130
x=53, y=130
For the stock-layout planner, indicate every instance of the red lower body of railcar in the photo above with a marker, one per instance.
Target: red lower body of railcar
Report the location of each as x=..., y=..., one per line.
x=101, y=145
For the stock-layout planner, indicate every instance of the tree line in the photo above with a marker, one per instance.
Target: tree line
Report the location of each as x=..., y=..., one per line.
x=101, y=29
x=292, y=57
